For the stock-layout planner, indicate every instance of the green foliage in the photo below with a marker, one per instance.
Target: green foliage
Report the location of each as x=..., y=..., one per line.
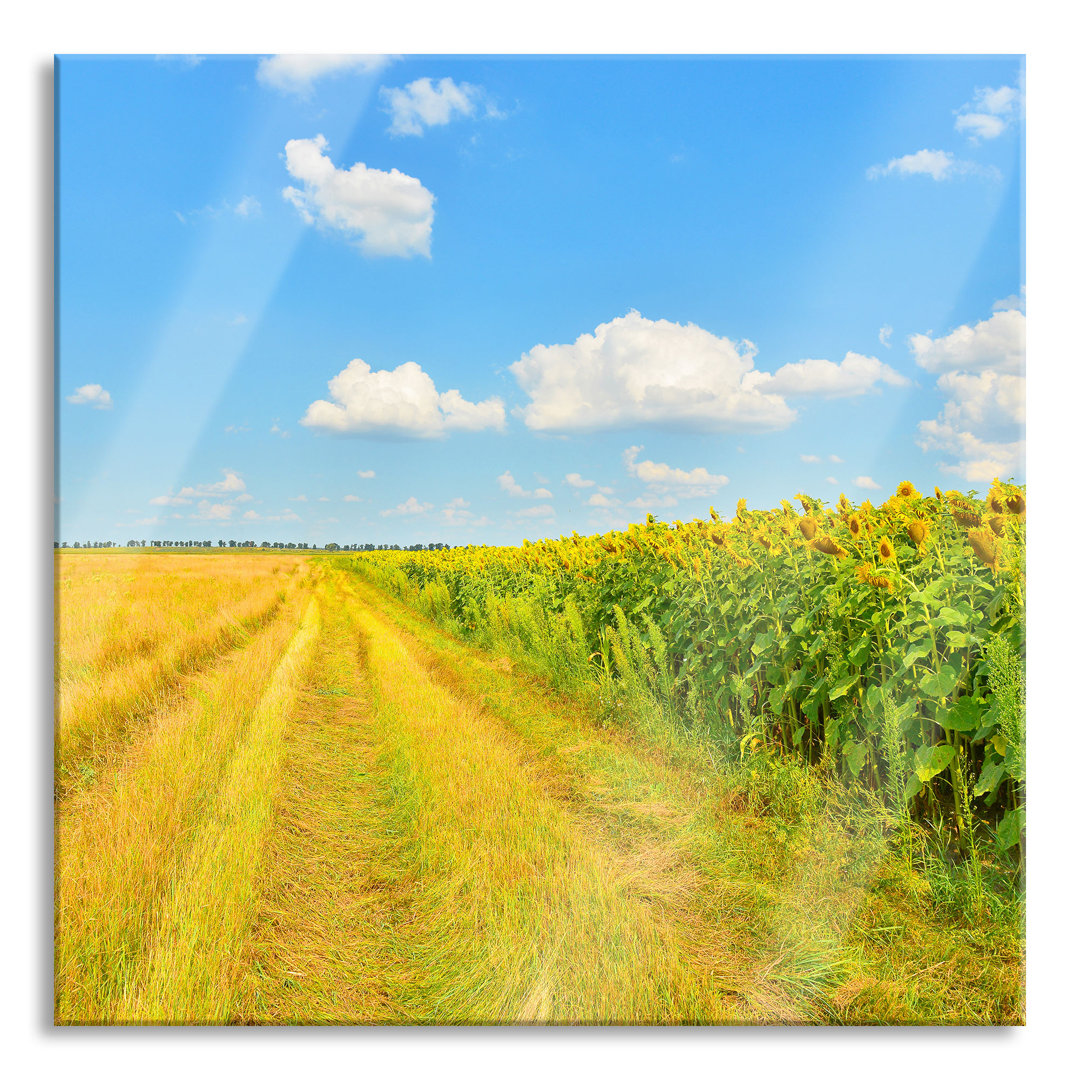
x=884, y=644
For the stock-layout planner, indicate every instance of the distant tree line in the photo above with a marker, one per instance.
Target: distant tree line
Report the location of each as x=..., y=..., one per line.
x=266, y=544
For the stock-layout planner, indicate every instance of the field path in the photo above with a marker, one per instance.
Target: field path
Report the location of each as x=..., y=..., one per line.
x=431, y=865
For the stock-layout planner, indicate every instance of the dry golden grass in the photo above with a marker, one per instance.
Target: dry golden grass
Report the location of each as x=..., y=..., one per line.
x=125, y=842
x=128, y=627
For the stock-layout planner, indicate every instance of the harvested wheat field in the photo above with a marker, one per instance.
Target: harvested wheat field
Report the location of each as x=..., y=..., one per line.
x=284, y=796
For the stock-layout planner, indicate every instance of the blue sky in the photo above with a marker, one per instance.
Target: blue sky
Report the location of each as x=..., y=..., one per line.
x=529, y=295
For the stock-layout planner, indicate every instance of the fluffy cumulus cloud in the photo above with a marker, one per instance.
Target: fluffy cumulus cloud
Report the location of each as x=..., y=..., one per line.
x=867, y=483
x=979, y=460
x=981, y=375
x=937, y=164
x=385, y=213
x=366, y=474
x=576, y=480
x=661, y=477
x=456, y=512
x=854, y=375
x=232, y=484
x=990, y=113
x=512, y=487
x=409, y=508
x=297, y=73
x=998, y=343
x=402, y=403
x=810, y=459
x=216, y=511
x=92, y=394
x=423, y=103
x=634, y=370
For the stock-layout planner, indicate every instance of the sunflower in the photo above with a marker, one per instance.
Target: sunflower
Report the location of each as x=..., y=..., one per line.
x=885, y=549
x=966, y=517
x=854, y=525
x=985, y=546
x=880, y=582
x=1016, y=504
x=918, y=530
x=808, y=527
x=864, y=571
x=906, y=490
x=997, y=525
x=828, y=546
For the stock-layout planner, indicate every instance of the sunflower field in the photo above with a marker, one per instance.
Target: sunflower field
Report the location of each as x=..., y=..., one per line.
x=883, y=643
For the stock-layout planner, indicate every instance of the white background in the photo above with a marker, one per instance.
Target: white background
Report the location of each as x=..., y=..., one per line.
x=1043, y=31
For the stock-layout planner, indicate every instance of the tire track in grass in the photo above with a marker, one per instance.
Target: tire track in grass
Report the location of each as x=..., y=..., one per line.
x=95, y=716
x=316, y=953
x=191, y=972
x=121, y=843
x=519, y=914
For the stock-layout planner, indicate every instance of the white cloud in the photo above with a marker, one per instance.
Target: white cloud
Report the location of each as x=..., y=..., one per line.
x=248, y=206
x=386, y=213
x=410, y=506
x=981, y=424
x=275, y=429
x=323, y=498
x=246, y=497
x=810, y=459
x=232, y=484
x=854, y=375
x=867, y=483
x=512, y=487
x=1012, y=303
x=366, y=474
x=938, y=164
x=984, y=401
x=422, y=104
x=653, y=502
x=996, y=344
x=251, y=515
x=600, y=499
x=457, y=512
x=298, y=498
x=633, y=370
x=576, y=480
x=990, y=113
x=831, y=480
x=980, y=460
x=661, y=477
x=836, y=460
x=213, y=511
x=402, y=402
x=297, y=73
x=351, y=498
x=544, y=510
x=188, y=60
x=884, y=334
x=92, y=394
x=980, y=126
